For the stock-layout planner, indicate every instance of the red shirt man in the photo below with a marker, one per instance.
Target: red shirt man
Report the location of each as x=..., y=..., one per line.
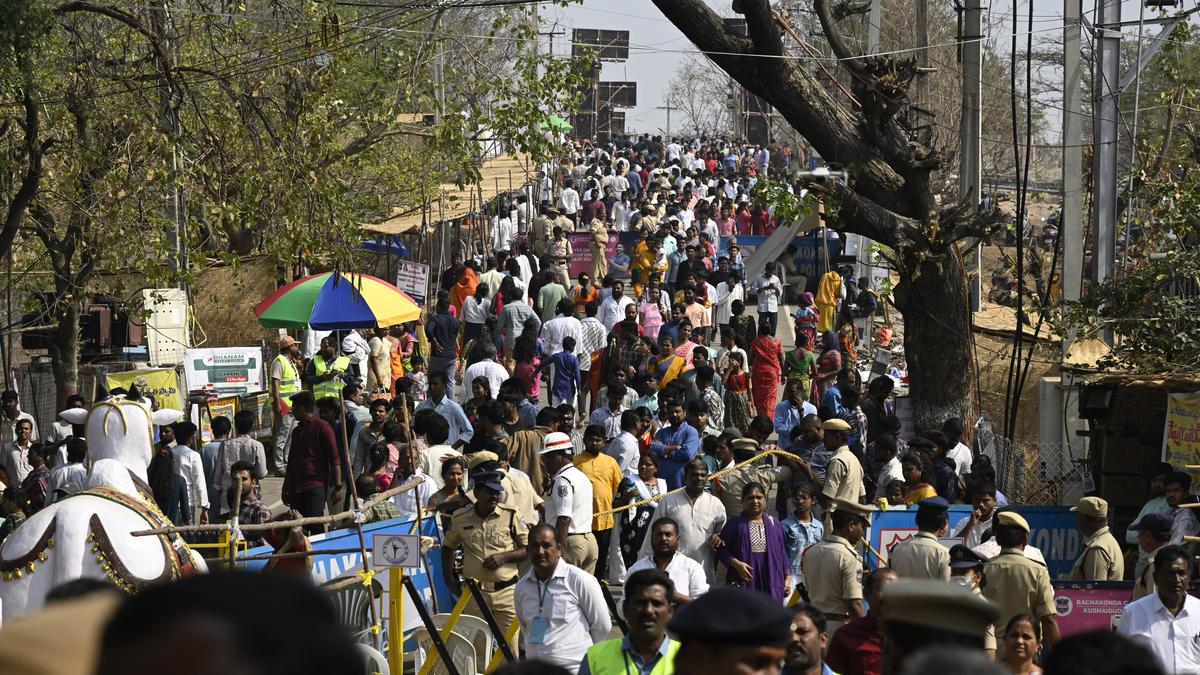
x=857, y=647
x=313, y=463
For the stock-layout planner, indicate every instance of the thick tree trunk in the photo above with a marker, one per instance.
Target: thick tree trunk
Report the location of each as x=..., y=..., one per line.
x=64, y=352
x=936, y=339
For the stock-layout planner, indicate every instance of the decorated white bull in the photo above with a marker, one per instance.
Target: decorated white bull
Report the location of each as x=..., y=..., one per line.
x=88, y=534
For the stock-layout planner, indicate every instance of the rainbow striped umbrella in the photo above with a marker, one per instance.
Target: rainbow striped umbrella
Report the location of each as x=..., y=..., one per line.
x=335, y=301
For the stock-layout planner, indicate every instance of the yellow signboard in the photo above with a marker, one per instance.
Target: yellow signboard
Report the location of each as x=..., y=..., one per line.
x=162, y=384
x=1181, y=437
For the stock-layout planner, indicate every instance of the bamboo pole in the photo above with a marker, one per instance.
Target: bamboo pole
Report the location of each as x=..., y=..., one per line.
x=362, y=540
x=298, y=522
x=235, y=512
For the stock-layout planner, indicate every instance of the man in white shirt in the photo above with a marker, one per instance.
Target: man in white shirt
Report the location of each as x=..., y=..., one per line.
x=769, y=289
x=624, y=448
x=569, y=502
x=560, y=607
x=961, y=454
x=568, y=201
x=16, y=452
x=190, y=472
x=69, y=478
x=60, y=429
x=971, y=528
x=437, y=432
x=355, y=346
x=609, y=416
x=493, y=372
x=699, y=516
x=1168, y=620
x=562, y=326
x=13, y=414
x=885, y=451
x=687, y=574
x=612, y=310
x=504, y=232
x=406, y=472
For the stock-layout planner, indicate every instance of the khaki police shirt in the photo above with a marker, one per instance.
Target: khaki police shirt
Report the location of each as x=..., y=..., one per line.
x=833, y=574
x=1101, y=559
x=844, y=477
x=922, y=557
x=1018, y=585
x=733, y=482
x=520, y=495
x=503, y=530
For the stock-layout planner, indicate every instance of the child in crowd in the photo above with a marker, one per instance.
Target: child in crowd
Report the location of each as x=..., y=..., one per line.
x=420, y=380
x=566, y=379
x=801, y=530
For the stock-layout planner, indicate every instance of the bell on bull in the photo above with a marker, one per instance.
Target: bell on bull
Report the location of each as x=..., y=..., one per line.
x=89, y=534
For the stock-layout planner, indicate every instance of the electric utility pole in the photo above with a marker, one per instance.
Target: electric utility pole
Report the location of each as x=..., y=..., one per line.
x=1104, y=163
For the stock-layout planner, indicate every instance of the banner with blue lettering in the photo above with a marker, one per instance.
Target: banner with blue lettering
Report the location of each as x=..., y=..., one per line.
x=1054, y=533
x=428, y=579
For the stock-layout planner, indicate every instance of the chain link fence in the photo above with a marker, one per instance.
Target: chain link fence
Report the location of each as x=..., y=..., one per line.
x=1046, y=474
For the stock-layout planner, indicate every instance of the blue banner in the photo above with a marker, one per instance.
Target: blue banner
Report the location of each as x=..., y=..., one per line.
x=1053, y=532
x=810, y=255
x=428, y=579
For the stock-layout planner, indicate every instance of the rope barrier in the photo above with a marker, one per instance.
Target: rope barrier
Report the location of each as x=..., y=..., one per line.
x=771, y=450
x=322, y=520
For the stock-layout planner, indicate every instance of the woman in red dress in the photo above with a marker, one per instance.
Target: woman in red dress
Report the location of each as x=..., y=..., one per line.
x=766, y=364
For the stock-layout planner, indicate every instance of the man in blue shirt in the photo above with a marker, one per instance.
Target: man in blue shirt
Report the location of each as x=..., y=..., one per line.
x=676, y=443
x=791, y=410
x=460, y=427
x=566, y=378
x=648, y=606
x=832, y=398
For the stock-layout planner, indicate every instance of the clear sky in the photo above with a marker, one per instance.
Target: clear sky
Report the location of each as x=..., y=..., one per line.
x=658, y=49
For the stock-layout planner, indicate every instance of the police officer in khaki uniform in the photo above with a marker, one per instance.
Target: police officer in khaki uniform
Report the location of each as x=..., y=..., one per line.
x=844, y=473
x=923, y=615
x=728, y=488
x=1016, y=584
x=518, y=491
x=493, y=538
x=923, y=556
x=1102, y=559
x=833, y=569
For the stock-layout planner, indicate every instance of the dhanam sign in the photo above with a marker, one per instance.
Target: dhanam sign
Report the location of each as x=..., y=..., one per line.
x=231, y=370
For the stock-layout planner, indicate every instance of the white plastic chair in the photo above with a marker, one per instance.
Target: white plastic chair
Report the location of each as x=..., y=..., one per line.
x=462, y=653
x=374, y=661
x=476, y=631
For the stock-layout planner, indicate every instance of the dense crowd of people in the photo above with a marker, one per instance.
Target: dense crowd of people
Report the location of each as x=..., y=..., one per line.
x=677, y=452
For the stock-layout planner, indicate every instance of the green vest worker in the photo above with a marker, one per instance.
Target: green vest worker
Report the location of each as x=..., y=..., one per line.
x=647, y=649
x=325, y=371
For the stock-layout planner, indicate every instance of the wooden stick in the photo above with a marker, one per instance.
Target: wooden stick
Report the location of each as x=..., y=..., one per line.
x=313, y=520
x=300, y=554
x=235, y=513
x=1190, y=506
x=362, y=540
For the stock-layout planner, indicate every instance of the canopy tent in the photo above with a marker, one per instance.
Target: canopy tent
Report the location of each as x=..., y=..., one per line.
x=497, y=176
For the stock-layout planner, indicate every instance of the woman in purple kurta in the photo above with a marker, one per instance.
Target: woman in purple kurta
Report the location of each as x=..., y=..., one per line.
x=753, y=549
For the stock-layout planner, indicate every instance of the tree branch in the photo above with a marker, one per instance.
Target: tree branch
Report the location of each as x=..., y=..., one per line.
x=849, y=211
x=34, y=148
x=792, y=90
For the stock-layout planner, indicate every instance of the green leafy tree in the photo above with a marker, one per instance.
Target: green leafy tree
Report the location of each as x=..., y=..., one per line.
x=145, y=130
